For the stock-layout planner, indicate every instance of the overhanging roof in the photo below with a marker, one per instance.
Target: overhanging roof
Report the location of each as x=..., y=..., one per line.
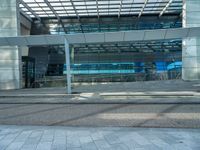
x=98, y=8
x=106, y=37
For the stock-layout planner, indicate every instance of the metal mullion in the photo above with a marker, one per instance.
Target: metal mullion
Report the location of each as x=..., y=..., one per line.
x=145, y=3
x=51, y=8
x=115, y=0
x=29, y=8
x=63, y=7
x=128, y=7
x=137, y=3
x=42, y=9
x=117, y=4
x=112, y=4
x=75, y=10
x=59, y=19
x=165, y=8
x=108, y=6
x=97, y=8
x=120, y=7
x=131, y=6
x=86, y=7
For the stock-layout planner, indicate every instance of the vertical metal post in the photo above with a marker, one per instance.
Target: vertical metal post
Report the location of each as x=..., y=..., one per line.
x=67, y=58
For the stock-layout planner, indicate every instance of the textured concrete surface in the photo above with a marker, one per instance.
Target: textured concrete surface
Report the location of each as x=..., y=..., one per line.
x=175, y=91
x=10, y=56
x=96, y=99
x=145, y=87
x=71, y=138
x=106, y=108
x=118, y=115
x=190, y=46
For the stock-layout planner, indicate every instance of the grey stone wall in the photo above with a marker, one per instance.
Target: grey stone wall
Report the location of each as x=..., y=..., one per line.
x=191, y=46
x=10, y=57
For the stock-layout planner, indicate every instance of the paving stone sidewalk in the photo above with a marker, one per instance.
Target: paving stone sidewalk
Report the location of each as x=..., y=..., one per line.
x=91, y=138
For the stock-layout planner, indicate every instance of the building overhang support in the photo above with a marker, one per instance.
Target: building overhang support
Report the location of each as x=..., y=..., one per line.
x=165, y=8
x=68, y=70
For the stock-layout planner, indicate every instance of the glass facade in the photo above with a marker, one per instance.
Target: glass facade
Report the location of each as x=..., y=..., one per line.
x=112, y=62
x=112, y=27
x=111, y=24
x=119, y=62
x=126, y=62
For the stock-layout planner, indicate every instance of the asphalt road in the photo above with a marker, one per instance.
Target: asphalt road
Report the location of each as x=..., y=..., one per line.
x=120, y=115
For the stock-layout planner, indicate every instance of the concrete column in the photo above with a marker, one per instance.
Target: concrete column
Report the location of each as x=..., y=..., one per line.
x=67, y=56
x=191, y=46
x=10, y=57
x=72, y=61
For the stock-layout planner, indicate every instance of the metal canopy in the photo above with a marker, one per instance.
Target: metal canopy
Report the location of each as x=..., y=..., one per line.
x=106, y=37
x=98, y=8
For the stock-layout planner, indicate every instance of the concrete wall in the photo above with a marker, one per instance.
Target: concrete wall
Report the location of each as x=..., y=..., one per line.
x=191, y=46
x=10, y=57
x=24, y=49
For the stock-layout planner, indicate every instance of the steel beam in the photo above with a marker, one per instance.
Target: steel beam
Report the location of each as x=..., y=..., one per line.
x=97, y=8
x=145, y=3
x=57, y=16
x=165, y=8
x=29, y=8
x=75, y=9
x=120, y=8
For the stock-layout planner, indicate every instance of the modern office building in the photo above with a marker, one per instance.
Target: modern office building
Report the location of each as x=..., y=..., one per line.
x=147, y=59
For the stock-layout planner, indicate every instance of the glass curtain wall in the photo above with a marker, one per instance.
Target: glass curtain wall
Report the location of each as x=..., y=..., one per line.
x=117, y=62
x=126, y=62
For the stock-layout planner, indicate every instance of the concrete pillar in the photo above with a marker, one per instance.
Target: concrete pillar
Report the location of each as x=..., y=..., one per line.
x=191, y=46
x=72, y=60
x=67, y=56
x=10, y=57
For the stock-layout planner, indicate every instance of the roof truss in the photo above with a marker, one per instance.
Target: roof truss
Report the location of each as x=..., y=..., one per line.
x=98, y=8
x=165, y=8
x=30, y=9
x=57, y=16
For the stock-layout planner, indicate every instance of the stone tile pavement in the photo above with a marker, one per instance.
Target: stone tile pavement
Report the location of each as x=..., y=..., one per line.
x=97, y=138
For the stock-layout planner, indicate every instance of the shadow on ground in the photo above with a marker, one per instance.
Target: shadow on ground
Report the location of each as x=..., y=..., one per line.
x=120, y=115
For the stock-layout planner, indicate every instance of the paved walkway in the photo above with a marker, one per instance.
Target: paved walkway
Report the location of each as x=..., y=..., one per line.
x=147, y=87
x=92, y=98
x=176, y=91
x=73, y=138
